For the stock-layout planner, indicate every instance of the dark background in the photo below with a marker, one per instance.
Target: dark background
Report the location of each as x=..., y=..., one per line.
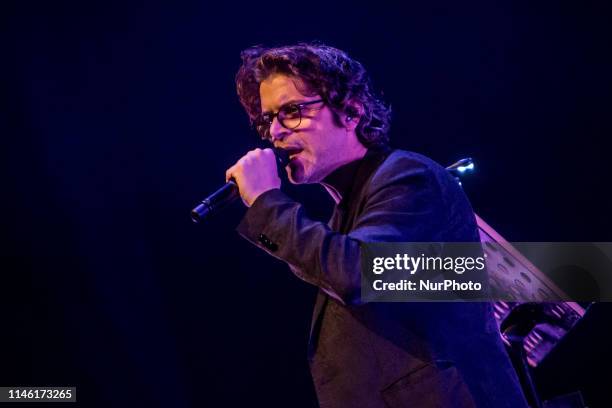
x=117, y=117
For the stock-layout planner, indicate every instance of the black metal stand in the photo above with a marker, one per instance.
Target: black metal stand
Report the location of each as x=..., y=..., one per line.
x=515, y=328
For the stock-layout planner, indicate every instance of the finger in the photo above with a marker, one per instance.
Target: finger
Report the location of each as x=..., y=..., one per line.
x=229, y=173
x=252, y=154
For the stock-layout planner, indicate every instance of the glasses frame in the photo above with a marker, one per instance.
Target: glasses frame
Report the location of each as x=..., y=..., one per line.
x=264, y=121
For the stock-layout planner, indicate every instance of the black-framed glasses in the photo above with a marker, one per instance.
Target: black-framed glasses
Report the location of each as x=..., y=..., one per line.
x=289, y=116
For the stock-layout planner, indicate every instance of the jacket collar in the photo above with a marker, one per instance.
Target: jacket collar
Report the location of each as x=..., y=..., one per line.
x=346, y=177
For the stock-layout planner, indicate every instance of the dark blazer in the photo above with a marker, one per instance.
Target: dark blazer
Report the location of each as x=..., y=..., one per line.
x=388, y=354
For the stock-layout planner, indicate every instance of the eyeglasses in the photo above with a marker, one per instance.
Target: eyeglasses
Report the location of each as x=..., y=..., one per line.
x=289, y=116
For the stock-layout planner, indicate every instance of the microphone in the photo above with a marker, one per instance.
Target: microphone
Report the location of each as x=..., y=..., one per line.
x=229, y=193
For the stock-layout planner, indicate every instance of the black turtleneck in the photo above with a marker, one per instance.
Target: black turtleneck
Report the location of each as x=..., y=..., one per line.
x=346, y=177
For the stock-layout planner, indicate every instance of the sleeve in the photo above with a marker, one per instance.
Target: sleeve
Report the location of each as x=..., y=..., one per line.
x=400, y=206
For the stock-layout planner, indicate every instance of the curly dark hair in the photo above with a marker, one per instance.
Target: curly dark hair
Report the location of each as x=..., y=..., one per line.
x=326, y=71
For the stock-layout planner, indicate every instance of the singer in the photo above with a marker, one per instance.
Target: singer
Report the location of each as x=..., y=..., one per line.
x=317, y=104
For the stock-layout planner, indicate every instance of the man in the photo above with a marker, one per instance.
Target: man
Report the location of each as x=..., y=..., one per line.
x=317, y=104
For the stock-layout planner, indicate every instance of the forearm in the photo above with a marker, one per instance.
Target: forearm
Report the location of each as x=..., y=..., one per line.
x=316, y=254
x=405, y=205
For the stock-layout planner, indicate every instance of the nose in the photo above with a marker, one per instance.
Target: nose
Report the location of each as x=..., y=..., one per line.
x=277, y=131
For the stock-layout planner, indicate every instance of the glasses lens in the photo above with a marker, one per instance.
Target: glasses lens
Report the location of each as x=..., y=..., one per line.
x=290, y=116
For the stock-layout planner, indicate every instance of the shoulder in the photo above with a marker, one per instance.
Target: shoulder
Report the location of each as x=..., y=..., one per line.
x=419, y=198
x=420, y=177
x=406, y=159
x=401, y=164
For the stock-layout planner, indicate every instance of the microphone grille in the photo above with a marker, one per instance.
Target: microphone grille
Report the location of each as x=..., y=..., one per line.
x=282, y=156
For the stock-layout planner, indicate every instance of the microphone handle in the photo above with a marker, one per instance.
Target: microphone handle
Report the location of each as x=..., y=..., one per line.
x=218, y=199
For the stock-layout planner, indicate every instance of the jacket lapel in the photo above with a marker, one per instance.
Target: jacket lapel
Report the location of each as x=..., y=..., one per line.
x=349, y=206
x=342, y=220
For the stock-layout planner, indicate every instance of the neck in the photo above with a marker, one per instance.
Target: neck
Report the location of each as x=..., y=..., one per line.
x=355, y=154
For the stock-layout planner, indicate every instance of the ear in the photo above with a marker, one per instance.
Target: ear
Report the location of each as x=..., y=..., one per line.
x=352, y=115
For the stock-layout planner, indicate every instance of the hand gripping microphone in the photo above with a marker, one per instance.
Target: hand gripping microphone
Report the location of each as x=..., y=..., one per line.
x=229, y=193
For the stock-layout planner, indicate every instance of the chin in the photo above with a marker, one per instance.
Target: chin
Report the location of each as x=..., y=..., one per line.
x=297, y=174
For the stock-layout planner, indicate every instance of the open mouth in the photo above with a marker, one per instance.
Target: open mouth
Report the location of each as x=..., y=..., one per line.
x=293, y=151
